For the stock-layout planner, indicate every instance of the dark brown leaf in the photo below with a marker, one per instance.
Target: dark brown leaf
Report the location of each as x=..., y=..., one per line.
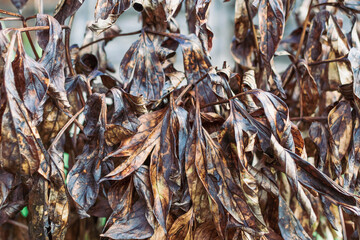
x=141, y=71
x=53, y=57
x=271, y=27
x=66, y=8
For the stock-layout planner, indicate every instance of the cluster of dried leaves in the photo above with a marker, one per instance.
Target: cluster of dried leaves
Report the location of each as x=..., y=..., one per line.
x=203, y=153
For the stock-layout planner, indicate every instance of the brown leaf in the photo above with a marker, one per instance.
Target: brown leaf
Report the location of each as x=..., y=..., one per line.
x=53, y=57
x=141, y=71
x=166, y=160
x=107, y=12
x=32, y=82
x=133, y=226
x=181, y=228
x=214, y=173
x=340, y=125
x=123, y=122
x=66, y=8
x=289, y=225
x=18, y=133
x=83, y=178
x=271, y=27
x=309, y=90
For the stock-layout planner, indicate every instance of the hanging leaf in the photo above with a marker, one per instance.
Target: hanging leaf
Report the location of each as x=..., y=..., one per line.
x=141, y=71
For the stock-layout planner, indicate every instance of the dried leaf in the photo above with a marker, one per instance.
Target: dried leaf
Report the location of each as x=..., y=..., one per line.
x=271, y=27
x=141, y=71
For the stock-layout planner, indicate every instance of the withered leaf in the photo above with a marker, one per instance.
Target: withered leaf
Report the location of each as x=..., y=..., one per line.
x=32, y=82
x=66, y=8
x=214, y=173
x=53, y=57
x=132, y=226
x=181, y=228
x=340, y=125
x=83, y=178
x=196, y=64
x=309, y=90
x=123, y=123
x=271, y=27
x=18, y=133
x=289, y=225
x=141, y=70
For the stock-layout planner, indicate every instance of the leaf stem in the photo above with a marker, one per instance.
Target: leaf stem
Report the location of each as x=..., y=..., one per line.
x=36, y=28
x=67, y=51
x=10, y=19
x=225, y=100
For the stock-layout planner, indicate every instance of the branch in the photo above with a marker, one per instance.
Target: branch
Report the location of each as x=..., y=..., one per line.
x=190, y=87
x=37, y=28
x=67, y=51
x=340, y=59
x=110, y=37
x=303, y=32
x=30, y=40
x=10, y=13
x=309, y=119
x=63, y=129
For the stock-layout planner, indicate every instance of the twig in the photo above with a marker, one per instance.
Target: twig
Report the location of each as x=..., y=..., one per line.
x=63, y=129
x=340, y=59
x=303, y=32
x=29, y=18
x=40, y=6
x=108, y=38
x=18, y=224
x=67, y=50
x=189, y=87
x=309, y=119
x=30, y=40
x=225, y=100
x=253, y=30
x=10, y=13
x=37, y=28
x=10, y=19
x=71, y=21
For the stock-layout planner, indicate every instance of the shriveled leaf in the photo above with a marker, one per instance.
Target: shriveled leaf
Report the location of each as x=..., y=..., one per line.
x=66, y=8
x=340, y=124
x=133, y=226
x=141, y=71
x=83, y=178
x=21, y=149
x=271, y=27
x=123, y=122
x=289, y=225
x=53, y=57
x=32, y=82
x=181, y=228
